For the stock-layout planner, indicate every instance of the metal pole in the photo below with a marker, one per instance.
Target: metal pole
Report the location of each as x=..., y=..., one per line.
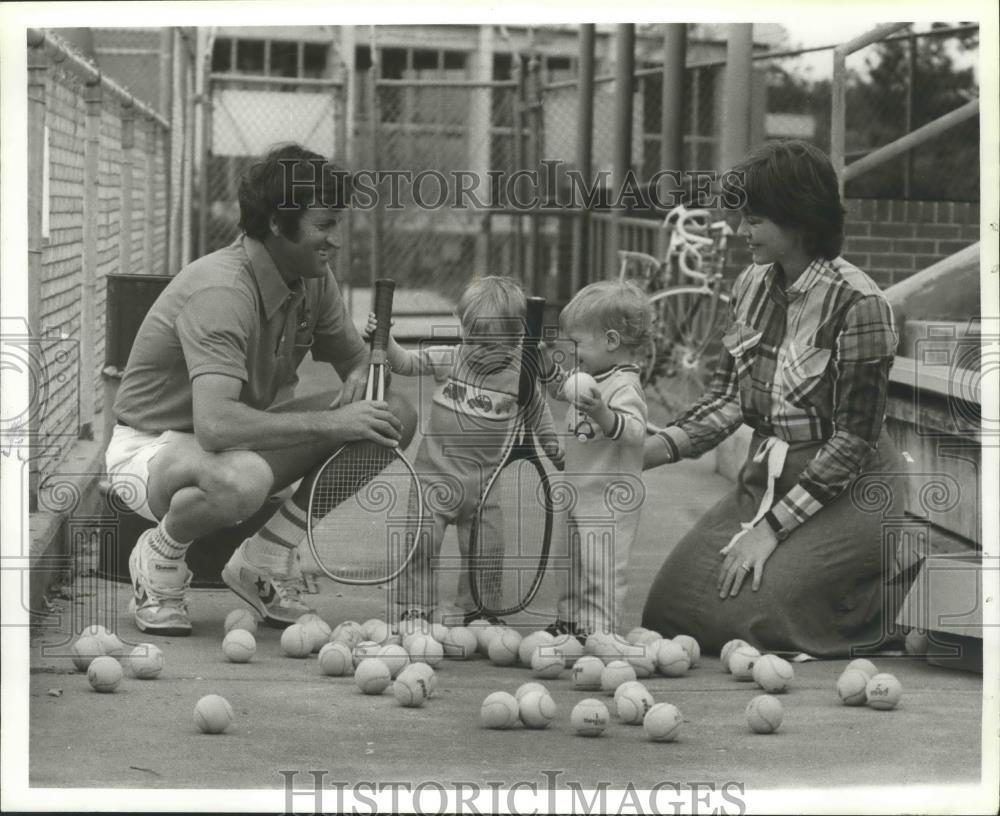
x=535, y=150
x=911, y=74
x=518, y=156
x=373, y=112
x=672, y=98
x=187, y=179
x=127, y=182
x=622, y=146
x=735, y=128
x=88, y=285
x=584, y=159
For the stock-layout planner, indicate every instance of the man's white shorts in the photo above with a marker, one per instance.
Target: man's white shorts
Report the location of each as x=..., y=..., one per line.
x=127, y=458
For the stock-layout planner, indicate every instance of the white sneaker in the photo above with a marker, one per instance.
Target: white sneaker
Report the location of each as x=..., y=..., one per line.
x=159, y=588
x=275, y=595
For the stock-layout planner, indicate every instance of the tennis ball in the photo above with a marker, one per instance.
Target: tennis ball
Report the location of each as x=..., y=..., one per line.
x=499, y=710
x=318, y=631
x=381, y=633
x=425, y=673
x=764, y=714
x=295, y=641
x=460, y=643
x=546, y=662
x=104, y=674
x=883, y=691
x=529, y=643
x=477, y=626
x=410, y=690
x=614, y=674
x=632, y=702
x=690, y=645
x=537, y=709
x=587, y=672
x=569, y=647
x=395, y=657
x=635, y=634
x=348, y=632
x=773, y=674
x=606, y=646
x=727, y=650
x=372, y=676
x=589, y=717
x=861, y=664
x=335, y=659
x=648, y=637
x=213, y=714
x=741, y=663
x=852, y=687
x=239, y=646
x=372, y=627
x=240, y=619
x=146, y=661
x=85, y=649
x=578, y=385
x=503, y=650
x=109, y=641
x=671, y=659
x=916, y=642
x=662, y=722
x=427, y=650
x=439, y=632
x=485, y=637
x=366, y=648
x=524, y=688
x=643, y=662
x=413, y=626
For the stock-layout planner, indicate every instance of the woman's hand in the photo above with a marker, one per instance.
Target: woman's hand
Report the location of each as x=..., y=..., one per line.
x=746, y=554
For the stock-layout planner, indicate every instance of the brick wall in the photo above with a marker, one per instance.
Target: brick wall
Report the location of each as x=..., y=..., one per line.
x=891, y=240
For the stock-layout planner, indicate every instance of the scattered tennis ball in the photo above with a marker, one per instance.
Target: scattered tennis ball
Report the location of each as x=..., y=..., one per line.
x=499, y=710
x=460, y=643
x=614, y=674
x=883, y=691
x=589, y=717
x=347, y=632
x=569, y=647
x=727, y=651
x=372, y=627
x=425, y=672
x=671, y=659
x=411, y=690
x=110, y=642
x=861, y=664
x=318, y=631
x=632, y=702
x=773, y=674
x=213, y=714
x=85, y=649
x=239, y=646
x=335, y=659
x=587, y=672
x=146, y=661
x=439, y=632
x=547, y=662
x=852, y=687
x=537, y=709
x=240, y=619
x=395, y=657
x=372, y=676
x=104, y=674
x=425, y=649
x=764, y=714
x=295, y=641
x=524, y=688
x=503, y=649
x=741, y=663
x=662, y=722
x=643, y=662
x=690, y=645
x=635, y=634
x=529, y=643
x=366, y=648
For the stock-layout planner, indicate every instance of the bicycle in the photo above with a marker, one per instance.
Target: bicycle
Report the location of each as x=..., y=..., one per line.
x=689, y=319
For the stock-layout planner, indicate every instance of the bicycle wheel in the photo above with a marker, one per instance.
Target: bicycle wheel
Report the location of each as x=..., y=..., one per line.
x=687, y=337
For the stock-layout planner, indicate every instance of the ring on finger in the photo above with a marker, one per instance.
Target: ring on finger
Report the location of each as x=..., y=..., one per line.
x=745, y=567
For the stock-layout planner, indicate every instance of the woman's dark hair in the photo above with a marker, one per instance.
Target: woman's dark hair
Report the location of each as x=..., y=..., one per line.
x=794, y=184
x=285, y=182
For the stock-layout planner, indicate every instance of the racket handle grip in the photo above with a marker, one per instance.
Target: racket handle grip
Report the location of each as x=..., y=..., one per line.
x=384, y=290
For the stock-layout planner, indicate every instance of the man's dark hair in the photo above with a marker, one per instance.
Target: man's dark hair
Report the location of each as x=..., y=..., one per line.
x=285, y=182
x=794, y=184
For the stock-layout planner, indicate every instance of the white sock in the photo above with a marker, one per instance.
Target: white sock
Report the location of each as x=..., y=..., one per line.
x=163, y=545
x=275, y=543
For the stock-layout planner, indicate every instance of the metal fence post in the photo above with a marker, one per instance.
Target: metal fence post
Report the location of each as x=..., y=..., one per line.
x=94, y=96
x=534, y=104
x=517, y=154
x=672, y=97
x=374, y=114
x=735, y=127
x=584, y=160
x=149, y=202
x=127, y=187
x=622, y=151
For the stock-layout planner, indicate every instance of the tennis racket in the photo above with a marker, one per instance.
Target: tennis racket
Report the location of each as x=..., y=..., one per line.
x=365, y=504
x=512, y=527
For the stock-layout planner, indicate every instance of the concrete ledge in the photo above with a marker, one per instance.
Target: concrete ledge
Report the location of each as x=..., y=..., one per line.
x=73, y=490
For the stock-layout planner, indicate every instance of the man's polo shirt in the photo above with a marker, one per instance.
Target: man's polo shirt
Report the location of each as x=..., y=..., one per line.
x=231, y=313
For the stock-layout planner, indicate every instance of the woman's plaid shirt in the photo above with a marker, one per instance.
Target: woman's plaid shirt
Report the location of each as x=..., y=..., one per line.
x=806, y=363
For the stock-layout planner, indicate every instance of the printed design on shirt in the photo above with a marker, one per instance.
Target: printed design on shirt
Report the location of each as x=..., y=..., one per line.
x=581, y=427
x=473, y=400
